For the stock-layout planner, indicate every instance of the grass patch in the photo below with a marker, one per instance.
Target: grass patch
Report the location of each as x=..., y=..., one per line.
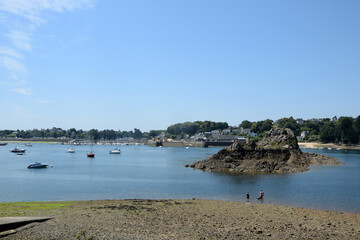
x=30, y=208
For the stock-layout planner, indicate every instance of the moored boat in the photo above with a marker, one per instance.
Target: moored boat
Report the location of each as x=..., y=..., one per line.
x=38, y=165
x=3, y=144
x=115, y=151
x=28, y=144
x=90, y=154
x=70, y=150
x=17, y=150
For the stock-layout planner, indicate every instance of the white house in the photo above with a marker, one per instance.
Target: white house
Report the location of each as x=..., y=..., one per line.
x=246, y=131
x=226, y=131
x=215, y=132
x=300, y=121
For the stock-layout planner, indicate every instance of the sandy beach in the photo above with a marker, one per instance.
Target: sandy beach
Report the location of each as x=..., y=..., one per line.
x=328, y=145
x=181, y=219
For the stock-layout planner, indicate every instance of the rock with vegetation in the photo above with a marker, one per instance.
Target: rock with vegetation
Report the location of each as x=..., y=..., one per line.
x=277, y=152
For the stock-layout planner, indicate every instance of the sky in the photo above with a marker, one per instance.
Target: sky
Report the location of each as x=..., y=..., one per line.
x=148, y=64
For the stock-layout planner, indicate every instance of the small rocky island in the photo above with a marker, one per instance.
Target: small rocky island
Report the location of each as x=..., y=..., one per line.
x=277, y=152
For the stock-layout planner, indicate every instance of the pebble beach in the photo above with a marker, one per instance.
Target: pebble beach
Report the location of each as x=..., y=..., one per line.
x=185, y=219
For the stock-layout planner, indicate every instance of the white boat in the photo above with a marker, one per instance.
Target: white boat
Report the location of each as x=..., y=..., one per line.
x=28, y=144
x=70, y=150
x=115, y=151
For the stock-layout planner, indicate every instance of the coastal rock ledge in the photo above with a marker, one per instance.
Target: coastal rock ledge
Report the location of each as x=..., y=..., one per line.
x=277, y=152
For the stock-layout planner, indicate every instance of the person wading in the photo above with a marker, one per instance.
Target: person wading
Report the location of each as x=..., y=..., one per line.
x=261, y=195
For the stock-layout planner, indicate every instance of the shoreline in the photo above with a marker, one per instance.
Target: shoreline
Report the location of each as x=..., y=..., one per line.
x=315, y=145
x=332, y=146
x=180, y=219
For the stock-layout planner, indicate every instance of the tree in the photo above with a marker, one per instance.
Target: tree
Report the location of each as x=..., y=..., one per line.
x=357, y=127
x=347, y=131
x=245, y=124
x=314, y=126
x=328, y=133
x=137, y=133
x=195, y=127
x=94, y=134
x=289, y=123
x=71, y=133
x=154, y=133
x=261, y=126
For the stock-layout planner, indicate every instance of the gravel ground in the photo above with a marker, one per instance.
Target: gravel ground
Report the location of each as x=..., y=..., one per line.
x=188, y=219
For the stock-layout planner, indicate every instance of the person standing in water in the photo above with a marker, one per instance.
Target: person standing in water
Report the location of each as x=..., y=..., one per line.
x=261, y=195
x=247, y=197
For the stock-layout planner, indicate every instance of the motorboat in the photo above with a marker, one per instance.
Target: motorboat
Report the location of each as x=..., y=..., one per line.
x=3, y=144
x=17, y=150
x=115, y=151
x=28, y=144
x=90, y=155
x=38, y=165
x=70, y=150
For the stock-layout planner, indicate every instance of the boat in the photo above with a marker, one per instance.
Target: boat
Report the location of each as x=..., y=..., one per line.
x=3, y=144
x=70, y=150
x=28, y=144
x=38, y=165
x=17, y=150
x=115, y=151
x=90, y=154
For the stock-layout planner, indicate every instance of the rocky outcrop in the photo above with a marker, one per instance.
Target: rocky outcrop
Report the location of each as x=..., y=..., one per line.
x=277, y=152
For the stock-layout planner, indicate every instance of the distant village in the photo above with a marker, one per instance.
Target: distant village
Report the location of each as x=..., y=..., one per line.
x=341, y=130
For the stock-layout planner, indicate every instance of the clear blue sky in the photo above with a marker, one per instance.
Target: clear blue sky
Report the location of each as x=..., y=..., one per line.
x=111, y=64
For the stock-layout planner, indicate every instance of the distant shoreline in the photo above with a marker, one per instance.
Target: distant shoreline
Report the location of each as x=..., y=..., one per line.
x=314, y=145
x=328, y=145
x=25, y=140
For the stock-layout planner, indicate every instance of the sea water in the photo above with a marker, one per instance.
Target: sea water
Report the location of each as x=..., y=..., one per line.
x=159, y=173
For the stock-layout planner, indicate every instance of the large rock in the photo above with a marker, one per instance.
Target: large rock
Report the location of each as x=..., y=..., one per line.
x=277, y=152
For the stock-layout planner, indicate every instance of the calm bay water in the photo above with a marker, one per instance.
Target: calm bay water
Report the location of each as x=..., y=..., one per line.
x=159, y=173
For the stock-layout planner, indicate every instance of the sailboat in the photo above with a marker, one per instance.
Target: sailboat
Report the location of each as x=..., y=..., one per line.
x=71, y=150
x=91, y=154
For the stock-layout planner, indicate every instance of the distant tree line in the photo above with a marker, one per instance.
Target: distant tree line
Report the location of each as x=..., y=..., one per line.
x=343, y=130
x=259, y=127
x=73, y=133
x=192, y=128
